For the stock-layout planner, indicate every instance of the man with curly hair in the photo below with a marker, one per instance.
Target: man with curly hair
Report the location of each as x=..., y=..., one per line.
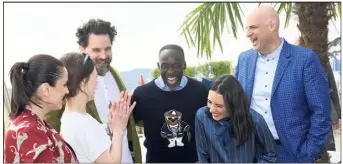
x=95, y=38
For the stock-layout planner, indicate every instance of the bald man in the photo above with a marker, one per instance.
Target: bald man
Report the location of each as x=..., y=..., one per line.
x=287, y=86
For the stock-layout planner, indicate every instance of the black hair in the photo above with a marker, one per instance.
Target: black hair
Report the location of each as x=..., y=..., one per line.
x=237, y=104
x=79, y=67
x=173, y=47
x=95, y=26
x=26, y=77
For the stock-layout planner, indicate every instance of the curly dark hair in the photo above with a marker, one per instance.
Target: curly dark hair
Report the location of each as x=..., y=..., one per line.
x=94, y=26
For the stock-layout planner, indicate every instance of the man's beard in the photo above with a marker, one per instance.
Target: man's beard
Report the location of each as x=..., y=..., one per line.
x=105, y=69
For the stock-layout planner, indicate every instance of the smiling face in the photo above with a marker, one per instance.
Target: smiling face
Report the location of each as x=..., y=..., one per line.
x=100, y=50
x=262, y=27
x=258, y=33
x=171, y=64
x=216, y=105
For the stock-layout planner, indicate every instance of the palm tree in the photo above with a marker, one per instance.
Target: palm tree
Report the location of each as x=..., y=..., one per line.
x=204, y=26
x=313, y=26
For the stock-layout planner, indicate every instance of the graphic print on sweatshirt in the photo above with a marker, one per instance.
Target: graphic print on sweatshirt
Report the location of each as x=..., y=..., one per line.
x=174, y=128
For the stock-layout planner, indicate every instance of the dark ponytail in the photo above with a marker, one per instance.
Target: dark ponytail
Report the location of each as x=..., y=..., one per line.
x=26, y=77
x=17, y=73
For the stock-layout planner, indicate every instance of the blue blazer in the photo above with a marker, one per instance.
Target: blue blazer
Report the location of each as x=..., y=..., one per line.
x=207, y=82
x=300, y=101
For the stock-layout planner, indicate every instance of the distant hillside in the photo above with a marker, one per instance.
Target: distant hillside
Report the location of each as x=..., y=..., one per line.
x=131, y=78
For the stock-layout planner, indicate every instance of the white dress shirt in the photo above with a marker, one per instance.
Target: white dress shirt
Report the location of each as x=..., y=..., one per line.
x=108, y=91
x=263, y=84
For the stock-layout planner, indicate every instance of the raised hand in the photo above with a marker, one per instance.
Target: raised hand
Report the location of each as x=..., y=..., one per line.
x=119, y=113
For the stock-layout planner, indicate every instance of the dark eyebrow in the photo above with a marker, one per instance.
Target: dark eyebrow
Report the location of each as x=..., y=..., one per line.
x=95, y=49
x=252, y=26
x=219, y=105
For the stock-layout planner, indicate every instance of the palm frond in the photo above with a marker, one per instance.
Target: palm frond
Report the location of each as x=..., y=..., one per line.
x=335, y=10
x=287, y=8
x=335, y=42
x=204, y=26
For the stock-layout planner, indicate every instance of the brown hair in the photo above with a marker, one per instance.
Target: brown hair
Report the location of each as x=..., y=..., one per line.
x=79, y=67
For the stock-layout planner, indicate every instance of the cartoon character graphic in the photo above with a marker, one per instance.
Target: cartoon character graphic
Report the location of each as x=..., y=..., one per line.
x=174, y=128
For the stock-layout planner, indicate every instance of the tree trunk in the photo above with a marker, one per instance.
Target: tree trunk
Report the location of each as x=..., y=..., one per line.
x=313, y=20
x=313, y=26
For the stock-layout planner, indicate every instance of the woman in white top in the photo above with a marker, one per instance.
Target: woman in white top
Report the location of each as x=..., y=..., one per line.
x=87, y=136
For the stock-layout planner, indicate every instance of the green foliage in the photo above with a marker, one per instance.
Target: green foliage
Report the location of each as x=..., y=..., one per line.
x=205, y=70
x=190, y=71
x=155, y=73
x=213, y=70
x=203, y=27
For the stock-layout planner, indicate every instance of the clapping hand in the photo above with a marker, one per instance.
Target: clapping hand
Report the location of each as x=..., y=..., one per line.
x=120, y=112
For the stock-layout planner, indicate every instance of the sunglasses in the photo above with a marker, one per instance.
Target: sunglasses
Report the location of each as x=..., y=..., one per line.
x=173, y=118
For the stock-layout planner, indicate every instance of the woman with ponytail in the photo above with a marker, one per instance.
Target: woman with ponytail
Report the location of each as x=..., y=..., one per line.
x=38, y=86
x=227, y=131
